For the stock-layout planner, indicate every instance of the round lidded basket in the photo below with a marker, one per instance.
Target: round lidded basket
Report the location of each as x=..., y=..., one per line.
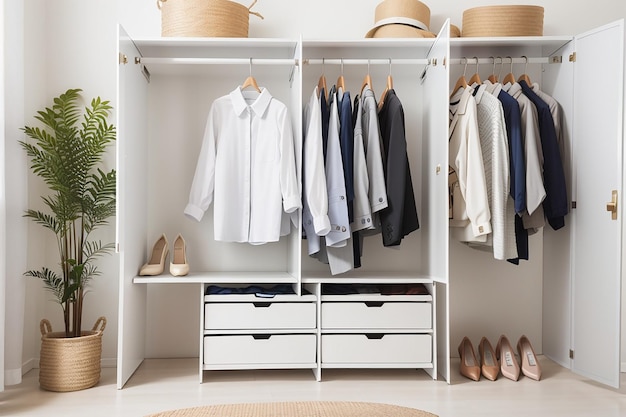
x=70, y=363
x=205, y=18
x=508, y=20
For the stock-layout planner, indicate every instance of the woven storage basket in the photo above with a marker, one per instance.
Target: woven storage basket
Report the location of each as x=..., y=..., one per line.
x=70, y=363
x=510, y=20
x=205, y=18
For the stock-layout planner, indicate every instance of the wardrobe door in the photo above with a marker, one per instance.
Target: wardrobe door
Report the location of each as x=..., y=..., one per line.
x=597, y=154
x=131, y=206
x=434, y=83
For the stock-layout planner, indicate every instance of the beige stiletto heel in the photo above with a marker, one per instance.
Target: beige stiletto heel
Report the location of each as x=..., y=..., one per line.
x=508, y=363
x=490, y=367
x=528, y=359
x=178, y=265
x=156, y=264
x=469, y=364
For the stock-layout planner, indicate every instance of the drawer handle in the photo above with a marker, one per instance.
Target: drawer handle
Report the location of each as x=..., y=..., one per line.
x=261, y=336
x=374, y=336
x=260, y=304
x=374, y=303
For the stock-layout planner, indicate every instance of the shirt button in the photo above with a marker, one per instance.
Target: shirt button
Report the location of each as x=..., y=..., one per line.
x=342, y=197
x=362, y=221
x=380, y=199
x=343, y=229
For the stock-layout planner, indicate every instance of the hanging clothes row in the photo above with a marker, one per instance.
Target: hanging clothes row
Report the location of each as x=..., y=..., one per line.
x=506, y=174
x=356, y=175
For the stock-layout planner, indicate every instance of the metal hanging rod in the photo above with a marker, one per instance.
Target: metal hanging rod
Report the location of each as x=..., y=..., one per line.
x=499, y=60
x=218, y=61
x=377, y=61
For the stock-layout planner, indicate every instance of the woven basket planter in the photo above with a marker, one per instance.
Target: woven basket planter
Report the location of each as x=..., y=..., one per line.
x=70, y=363
x=205, y=18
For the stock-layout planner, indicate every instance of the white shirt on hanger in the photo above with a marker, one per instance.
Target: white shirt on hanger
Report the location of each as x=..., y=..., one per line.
x=246, y=168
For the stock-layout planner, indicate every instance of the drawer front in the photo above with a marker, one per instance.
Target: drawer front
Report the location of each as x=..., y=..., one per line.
x=261, y=315
x=264, y=349
x=390, y=348
x=387, y=315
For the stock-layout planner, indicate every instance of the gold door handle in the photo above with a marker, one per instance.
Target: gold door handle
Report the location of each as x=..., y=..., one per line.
x=612, y=205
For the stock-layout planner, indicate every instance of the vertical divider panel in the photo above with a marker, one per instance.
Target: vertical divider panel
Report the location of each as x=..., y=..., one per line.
x=294, y=259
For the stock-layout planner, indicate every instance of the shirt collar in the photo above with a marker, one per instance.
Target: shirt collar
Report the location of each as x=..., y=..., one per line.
x=260, y=104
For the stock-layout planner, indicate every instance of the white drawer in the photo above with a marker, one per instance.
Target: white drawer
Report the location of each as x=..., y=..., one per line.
x=259, y=315
x=259, y=349
x=370, y=315
x=390, y=348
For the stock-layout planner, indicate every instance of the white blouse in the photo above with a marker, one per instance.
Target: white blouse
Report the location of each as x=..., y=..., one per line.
x=246, y=168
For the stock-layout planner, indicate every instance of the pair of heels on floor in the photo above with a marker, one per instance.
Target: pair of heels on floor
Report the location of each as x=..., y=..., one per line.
x=502, y=359
x=156, y=264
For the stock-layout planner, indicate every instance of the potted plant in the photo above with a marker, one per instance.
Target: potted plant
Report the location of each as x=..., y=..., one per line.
x=66, y=153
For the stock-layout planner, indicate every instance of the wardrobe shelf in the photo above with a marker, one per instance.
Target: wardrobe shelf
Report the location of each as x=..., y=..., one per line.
x=548, y=44
x=364, y=278
x=220, y=277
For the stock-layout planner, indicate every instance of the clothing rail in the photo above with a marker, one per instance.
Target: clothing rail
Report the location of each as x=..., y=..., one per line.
x=219, y=61
x=376, y=61
x=499, y=60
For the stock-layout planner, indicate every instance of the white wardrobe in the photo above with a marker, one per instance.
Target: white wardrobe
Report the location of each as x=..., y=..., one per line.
x=166, y=86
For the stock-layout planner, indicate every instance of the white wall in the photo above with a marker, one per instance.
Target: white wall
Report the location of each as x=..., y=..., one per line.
x=76, y=48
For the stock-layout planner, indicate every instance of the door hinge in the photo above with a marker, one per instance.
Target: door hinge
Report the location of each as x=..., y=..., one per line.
x=572, y=57
x=556, y=59
x=573, y=204
x=571, y=354
x=123, y=59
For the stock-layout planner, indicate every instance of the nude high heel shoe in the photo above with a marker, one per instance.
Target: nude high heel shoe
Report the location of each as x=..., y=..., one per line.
x=469, y=364
x=508, y=363
x=156, y=264
x=528, y=359
x=490, y=367
x=178, y=265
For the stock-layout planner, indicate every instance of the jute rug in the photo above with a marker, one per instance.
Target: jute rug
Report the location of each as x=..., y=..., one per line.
x=298, y=409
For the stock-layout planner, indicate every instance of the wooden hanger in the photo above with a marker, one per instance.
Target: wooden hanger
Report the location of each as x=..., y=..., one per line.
x=461, y=82
x=525, y=76
x=493, y=78
x=341, y=82
x=388, y=87
x=368, y=79
x=250, y=81
x=476, y=77
x=509, y=78
x=321, y=83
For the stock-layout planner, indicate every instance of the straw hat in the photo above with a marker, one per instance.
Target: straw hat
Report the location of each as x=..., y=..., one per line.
x=401, y=19
x=509, y=20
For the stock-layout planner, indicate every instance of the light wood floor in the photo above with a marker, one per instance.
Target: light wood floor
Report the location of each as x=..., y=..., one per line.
x=165, y=384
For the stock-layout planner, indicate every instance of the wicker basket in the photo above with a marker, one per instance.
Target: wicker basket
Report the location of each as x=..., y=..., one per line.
x=509, y=20
x=205, y=18
x=70, y=363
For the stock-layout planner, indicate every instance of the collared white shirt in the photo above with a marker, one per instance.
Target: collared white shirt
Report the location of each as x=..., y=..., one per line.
x=246, y=168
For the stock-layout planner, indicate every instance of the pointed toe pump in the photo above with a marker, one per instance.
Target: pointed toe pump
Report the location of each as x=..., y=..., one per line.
x=156, y=264
x=178, y=265
x=506, y=355
x=528, y=359
x=469, y=364
x=490, y=367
